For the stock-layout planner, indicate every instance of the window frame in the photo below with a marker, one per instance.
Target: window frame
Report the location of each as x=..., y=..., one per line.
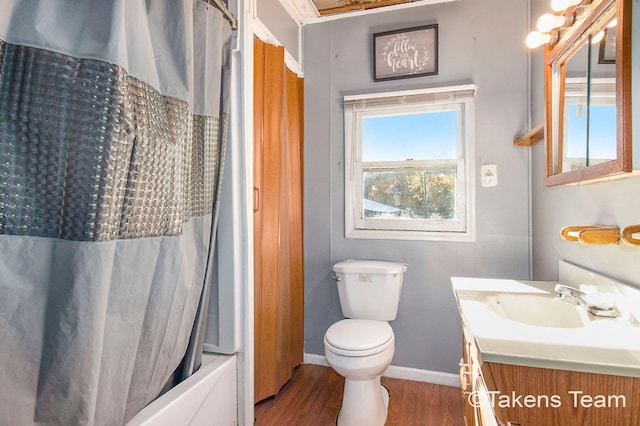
x=358, y=107
x=602, y=94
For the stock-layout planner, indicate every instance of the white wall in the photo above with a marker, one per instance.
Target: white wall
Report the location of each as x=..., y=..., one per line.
x=283, y=28
x=473, y=49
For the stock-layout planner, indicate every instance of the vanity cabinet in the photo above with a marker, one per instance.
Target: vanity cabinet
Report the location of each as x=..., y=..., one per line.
x=475, y=391
x=509, y=394
x=530, y=358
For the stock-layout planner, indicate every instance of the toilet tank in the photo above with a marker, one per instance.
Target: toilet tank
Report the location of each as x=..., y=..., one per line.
x=369, y=289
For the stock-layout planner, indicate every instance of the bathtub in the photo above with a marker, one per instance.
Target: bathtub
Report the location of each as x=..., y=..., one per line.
x=209, y=397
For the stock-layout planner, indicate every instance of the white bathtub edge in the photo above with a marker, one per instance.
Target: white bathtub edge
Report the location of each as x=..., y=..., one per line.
x=214, y=368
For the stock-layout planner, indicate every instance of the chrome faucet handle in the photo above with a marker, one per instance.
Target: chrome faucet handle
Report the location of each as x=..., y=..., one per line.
x=591, y=301
x=566, y=290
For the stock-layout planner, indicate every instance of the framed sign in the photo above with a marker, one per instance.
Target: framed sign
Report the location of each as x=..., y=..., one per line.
x=607, y=52
x=411, y=52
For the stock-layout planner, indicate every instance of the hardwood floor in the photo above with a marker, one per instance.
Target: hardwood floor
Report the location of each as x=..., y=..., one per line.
x=313, y=395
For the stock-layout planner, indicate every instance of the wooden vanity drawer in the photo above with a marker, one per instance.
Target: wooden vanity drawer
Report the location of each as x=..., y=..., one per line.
x=478, y=410
x=560, y=397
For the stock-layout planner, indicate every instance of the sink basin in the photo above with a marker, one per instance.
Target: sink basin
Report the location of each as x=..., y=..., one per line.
x=523, y=322
x=542, y=310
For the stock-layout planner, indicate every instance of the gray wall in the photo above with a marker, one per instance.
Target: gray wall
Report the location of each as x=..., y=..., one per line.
x=473, y=49
x=607, y=203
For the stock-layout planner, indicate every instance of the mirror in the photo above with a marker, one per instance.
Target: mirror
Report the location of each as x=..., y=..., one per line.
x=588, y=95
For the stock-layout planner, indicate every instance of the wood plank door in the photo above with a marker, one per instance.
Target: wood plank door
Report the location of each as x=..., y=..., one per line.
x=278, y=285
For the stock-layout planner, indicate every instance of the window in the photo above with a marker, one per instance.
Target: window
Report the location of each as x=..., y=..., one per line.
x=599, y=145
x=409, y=165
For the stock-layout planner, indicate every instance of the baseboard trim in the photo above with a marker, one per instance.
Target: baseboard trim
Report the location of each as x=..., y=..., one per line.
x=398, y=372
x=315, y=359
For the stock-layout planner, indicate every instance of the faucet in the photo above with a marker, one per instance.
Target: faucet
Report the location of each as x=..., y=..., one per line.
x=588, y=301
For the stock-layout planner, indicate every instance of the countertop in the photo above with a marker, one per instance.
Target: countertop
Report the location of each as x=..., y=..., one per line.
x=604, y=346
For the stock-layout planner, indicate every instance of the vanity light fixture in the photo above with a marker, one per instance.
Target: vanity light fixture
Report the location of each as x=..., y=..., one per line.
x=560, y=5
x=549, y=21
x=597, y=38
x=550, y=24
x=537, y=38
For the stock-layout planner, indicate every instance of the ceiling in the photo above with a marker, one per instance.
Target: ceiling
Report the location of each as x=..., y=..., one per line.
x=331, y=7
x=309, y=11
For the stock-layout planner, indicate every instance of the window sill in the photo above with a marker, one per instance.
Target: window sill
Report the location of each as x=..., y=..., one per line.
x=371, y=234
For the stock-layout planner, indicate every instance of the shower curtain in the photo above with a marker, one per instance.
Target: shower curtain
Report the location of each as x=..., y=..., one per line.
x=113, y=122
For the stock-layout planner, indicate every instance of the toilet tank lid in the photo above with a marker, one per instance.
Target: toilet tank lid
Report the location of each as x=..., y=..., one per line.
x=370, y=267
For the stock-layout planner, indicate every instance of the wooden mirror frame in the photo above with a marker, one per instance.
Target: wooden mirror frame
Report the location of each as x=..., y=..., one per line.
x=554, y=54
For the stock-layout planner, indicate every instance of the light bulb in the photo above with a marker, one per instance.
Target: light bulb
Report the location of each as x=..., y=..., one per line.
x=549, y=21
x=560, y=5
x=597, y=38
x=536, y=39
x=613, y=23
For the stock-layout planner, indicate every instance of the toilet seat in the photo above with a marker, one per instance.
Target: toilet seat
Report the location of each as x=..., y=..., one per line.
x=358, y=337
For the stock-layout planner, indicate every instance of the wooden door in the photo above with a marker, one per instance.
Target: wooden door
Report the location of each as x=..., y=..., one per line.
x=278, y=285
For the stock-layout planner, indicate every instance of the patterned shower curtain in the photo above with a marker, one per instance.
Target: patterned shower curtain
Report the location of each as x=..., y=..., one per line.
x=113, y=122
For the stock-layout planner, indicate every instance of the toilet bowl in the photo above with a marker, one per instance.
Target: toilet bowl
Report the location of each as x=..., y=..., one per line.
x=360, y=351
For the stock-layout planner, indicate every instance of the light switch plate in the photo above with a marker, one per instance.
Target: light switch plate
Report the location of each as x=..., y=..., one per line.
x=489, y=175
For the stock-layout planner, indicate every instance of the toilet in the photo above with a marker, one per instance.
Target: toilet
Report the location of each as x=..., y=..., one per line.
x=360, y=348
